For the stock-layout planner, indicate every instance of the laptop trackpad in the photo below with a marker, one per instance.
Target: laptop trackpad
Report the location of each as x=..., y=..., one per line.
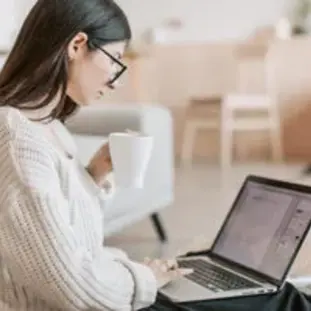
x=184, y=289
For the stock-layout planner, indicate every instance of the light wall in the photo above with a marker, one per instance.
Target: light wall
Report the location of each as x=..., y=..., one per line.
x=12, y=14
x=7, y=22
x=204, y=19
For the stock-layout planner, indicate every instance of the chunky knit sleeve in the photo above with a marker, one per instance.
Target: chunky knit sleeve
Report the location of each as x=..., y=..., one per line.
x=39, y=245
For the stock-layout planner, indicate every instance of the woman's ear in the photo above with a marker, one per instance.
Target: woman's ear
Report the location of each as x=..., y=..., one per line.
x=77, y=46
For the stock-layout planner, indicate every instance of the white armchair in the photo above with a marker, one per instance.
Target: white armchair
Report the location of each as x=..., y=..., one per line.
x=92, y=125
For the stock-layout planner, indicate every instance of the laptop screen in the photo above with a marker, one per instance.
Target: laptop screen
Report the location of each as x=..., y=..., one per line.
x=265, y=228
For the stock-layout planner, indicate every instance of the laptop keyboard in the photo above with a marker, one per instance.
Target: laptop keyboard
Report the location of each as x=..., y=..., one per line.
x=214, y=277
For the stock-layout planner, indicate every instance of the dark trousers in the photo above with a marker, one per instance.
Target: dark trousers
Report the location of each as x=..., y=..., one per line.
x=288, y=299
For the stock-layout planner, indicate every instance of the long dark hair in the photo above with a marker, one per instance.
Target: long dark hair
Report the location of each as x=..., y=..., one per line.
x=37, y=66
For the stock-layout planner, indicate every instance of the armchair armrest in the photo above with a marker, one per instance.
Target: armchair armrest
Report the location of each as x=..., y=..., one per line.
x=152, y=120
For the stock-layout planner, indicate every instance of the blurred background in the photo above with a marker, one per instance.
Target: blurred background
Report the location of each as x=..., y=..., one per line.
x=189, y=54
x=235, y=75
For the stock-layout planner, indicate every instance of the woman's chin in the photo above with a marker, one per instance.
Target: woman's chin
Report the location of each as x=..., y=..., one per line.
x=85, y=101
x=88, y=101
x=99, y=97
x=81, y=100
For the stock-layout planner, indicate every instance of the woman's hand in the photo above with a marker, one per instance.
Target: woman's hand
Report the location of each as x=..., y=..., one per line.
x=165, y=271
x=100, y=164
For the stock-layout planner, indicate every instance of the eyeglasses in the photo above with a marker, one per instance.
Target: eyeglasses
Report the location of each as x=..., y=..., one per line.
x=119, y=72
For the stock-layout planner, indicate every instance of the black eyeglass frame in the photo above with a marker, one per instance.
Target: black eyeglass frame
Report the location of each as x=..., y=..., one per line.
x=123, y=67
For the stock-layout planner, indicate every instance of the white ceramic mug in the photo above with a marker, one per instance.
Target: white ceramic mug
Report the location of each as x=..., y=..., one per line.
x=130, y=155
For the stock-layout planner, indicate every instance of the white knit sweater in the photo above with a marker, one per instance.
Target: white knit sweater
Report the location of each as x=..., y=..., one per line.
x=51, y=231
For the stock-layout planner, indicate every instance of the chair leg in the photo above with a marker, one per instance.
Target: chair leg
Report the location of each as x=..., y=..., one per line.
x=159, y=228
x=226, y=139
x=188, y=143
x=226, y=149
x=276, y=144
x=226, y=146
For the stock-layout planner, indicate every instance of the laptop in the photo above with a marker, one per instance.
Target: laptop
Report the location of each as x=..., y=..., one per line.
x=255, y=247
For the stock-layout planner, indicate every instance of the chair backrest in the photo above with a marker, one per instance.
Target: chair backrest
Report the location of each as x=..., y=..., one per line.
x=271, y=68
x=251, y=73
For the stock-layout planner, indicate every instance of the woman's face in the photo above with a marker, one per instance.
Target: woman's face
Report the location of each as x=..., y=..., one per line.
x=91, y=71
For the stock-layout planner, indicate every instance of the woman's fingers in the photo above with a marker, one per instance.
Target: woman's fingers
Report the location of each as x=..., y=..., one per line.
x=172, y=264
x=166, y=271
x=169, y=266
x=178, y=273
x=184, y=271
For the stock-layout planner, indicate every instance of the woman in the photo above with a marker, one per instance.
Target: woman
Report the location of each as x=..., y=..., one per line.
x=51, y=255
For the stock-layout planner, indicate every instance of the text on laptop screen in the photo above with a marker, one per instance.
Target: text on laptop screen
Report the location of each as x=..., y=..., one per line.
x=265, y=228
